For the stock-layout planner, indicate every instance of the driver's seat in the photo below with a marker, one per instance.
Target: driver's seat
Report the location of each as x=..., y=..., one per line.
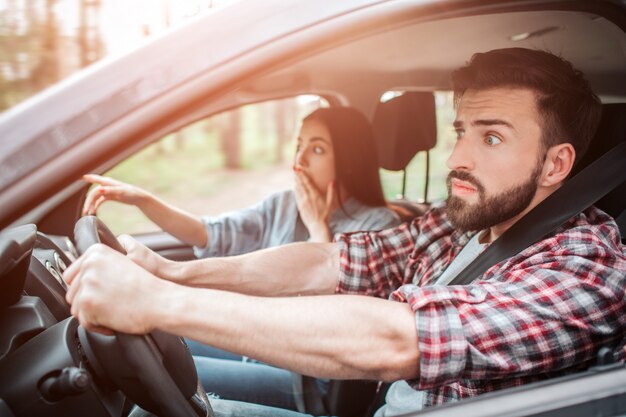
x=611, y=132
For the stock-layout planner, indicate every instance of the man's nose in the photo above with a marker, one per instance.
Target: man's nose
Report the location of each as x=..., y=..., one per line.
x=461, y=157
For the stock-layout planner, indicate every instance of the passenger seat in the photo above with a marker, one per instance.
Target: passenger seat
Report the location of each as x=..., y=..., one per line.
x=403, y=127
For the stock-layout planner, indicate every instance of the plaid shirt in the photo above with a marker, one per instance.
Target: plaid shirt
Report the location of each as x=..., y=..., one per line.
x=542, y=313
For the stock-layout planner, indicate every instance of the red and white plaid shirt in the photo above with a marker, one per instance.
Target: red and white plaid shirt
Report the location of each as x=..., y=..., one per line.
x=542, y=313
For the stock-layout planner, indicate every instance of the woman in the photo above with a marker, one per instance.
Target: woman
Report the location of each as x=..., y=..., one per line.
x=337, y=189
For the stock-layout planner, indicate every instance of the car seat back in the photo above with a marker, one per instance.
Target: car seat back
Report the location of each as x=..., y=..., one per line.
x=403, y=127
x=611, y=132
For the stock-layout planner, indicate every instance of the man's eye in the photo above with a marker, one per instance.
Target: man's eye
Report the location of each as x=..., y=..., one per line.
x=459, y=133
x=492, y=140
x=318, y=150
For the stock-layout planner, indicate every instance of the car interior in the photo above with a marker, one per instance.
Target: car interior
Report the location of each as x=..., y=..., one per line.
x=50, y=366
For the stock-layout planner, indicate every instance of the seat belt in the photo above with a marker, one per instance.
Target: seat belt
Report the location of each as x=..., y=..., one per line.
x=581, y=191
x=307, y=395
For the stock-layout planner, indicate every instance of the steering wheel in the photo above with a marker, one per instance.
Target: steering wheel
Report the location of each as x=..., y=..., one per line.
x=156, y=371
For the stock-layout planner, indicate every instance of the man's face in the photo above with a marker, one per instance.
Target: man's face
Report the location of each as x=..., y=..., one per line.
x=496, y=162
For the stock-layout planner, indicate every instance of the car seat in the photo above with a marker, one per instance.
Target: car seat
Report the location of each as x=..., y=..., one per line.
x=403, y=127
x=610, y=133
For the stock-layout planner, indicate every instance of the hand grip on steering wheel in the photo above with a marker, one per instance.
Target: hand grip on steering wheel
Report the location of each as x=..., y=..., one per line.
x=156, y=371
x=90, y=230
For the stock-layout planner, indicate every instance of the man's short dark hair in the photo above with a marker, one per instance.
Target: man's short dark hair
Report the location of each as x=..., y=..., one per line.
x=569, y=108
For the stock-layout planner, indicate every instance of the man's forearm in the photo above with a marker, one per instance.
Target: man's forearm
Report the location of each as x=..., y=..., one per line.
x=268, y=272
x=337, y=336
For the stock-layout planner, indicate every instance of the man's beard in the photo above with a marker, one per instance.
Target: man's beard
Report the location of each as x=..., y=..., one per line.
x=489, y=211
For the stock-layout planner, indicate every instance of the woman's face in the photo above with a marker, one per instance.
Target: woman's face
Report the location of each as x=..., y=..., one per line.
x=315, y=155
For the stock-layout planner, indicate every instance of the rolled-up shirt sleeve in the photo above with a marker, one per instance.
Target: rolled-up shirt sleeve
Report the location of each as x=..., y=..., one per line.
x=243, y=231
x=443, y=344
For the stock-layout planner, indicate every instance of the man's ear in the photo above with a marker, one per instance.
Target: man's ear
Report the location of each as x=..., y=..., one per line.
x=558, y=164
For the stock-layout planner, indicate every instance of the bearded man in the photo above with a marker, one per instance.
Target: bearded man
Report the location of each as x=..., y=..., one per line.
x=523, y=118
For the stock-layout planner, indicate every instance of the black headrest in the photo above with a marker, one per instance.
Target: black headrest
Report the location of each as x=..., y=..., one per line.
x=610, y=133
x=404, y=126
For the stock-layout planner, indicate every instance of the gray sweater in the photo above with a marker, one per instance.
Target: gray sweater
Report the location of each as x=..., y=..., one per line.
x=275, y=221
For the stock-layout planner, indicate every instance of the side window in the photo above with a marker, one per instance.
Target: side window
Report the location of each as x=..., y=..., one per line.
x=416, y=169
x=225, y=162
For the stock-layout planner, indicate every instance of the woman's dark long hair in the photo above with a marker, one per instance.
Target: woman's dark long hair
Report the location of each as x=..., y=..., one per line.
x=356, y=159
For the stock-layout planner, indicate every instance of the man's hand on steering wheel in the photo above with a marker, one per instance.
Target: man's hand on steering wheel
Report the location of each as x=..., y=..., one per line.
x=103, y=278
x=118, y=304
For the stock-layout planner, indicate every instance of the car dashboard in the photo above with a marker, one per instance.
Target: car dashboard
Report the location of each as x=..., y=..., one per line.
x=45, y=368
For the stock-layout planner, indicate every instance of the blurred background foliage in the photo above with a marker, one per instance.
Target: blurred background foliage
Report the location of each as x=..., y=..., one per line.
x=221, y=163
x=44, y=41
x=38, y=47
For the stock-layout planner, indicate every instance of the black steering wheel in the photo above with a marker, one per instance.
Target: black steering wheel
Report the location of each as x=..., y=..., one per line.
x=156, y=371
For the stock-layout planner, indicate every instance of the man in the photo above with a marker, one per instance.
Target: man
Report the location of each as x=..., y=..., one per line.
x=522, y=118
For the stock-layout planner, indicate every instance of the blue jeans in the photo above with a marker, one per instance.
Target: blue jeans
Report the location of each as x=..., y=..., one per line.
x=233, y=377
x=200, y=349
x=246, y=381
x=226, y=408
